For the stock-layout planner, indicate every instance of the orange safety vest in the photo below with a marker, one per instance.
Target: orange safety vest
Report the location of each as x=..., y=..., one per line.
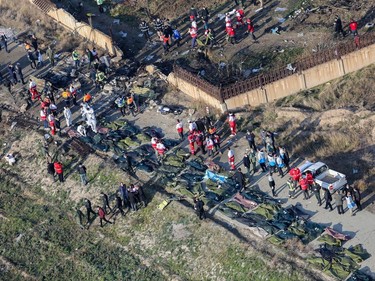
x=86, y=98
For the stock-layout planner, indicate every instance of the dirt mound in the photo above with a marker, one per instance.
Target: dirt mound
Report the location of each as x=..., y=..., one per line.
x=292, y=113
x=334, y=116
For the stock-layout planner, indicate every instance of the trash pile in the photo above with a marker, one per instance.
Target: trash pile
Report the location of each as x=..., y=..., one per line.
x=336, y=260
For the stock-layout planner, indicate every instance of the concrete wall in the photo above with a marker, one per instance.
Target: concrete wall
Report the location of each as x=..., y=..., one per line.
x=290, y=85
x=193, y=91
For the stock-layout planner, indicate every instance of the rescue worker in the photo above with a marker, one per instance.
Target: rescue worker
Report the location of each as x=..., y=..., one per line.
x=353, y=26
x=73, y=92
x=66, y=95
x=193, y=34
x=217, y=143
x=192, y=126
x=166, y=45
x=100, y=79
x=292, y=185
x=262, y=160
x=33, y=90
x=271, y=162
x=82, y=130
x=154, y=143
x=177, y=36
x=120, y=102
x=280, y=165
x=232, y=123
x=199, y=208
x=200, y=141
x=295, y=173
x=91, y=121
x=239, y=16
x=59, y=170
x=210, y=37
x=143, y=26
x=87, y=98
x=161, y=149
x=316, y=190
x=250, y=29
x=68, y=116
x=305, y=187
x=102, y=217
x=75, y=57
x=191, y=139
x=285, y=156
x=52, y=126
x=310, y=179
x=43, y=118
x=231, y=159
x=271, y=183
x=231, y=35
x=130, y=104
x=105, y=202
x=209, y=146
x=89, y=209
x=180, y=129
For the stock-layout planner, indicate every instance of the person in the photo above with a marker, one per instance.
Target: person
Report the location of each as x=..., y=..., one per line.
x=231, y=35
x=100, y=79
x=51, y=56
x=39, y=58
x=177, y=36
x=191, y=139
x=305, y=187
x=253, y=160
x=101, y=213
x=205, y=14
x=210, y=146
x=34, y=42
x=200, y=141
x=8, y=85
x=130, y=104
x=124, y=194
x=82, y=130
x=316, y=190
x=280, y=165
x=120, y=102
x=353, y=26
x=246, y=162
x=292, y=185
x=192, y=126
x=86, y=98
x=328, y=198
x=129, y=164
x=250, y=137
x=239, y=16
x=199, y=208
x=217, y=142
x=240, y=179
x=180, y=129
x=210, y=37
x=100, y=5
x=161, y=149
x=158, y=24
x=271, y=162
x=51, y=170
x=232, y=124
x=31, y=58
x=271, y=183
x=19, y=74
x=193, y=34
x=82, y=174
x=131, y=197
x=119, y=205
x=105, y=202
x=4, y=42
x=90, y=57
x=59, y=170
x=231, y=159
x=338, y=201
x=310, y=179
x=285, y=156
x=250, y=29
x=166, y=42
x=79, y=217
x=338, y=27
x=357, y=198
x=57, y=125
x=73, y=91
x=89, y=209
x=10, y=159
x=75, y=57
x=12, y=74
x=138, y=191
x=262, y=160
x=143, y=26
x=350, y=204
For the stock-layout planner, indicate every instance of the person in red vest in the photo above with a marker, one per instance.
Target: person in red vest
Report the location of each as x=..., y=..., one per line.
x=353, y=26
x=239, y=15
x=231, y=34
x=52, y=127
x=161, y=149
x=59, y=170
x=194, y=34
x=232, y=124
x=180, y=129
x=154, y=142
x=210, y=146
x=102, y=217
x=43, y=118
x=200, y=141
x=250, y=29
x=32, y=88
x=191, y=139
x=295, y=173
x=310, y=179
x=231, y=159
x=305, y=188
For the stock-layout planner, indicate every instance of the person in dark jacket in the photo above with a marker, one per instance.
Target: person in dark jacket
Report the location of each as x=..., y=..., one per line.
x=131, y=197
x=328, y=198
x=316, y=190
x=338, y=201
x=82, y=174
x=246, y=162
x=51, y=170
x=89, y=209
x=119, y=205
x=250, y=137
x=3, y=42
x=271, y=183
x=199, y=208
x=140, y=194
x=12, y=74
x=338, y=27
x=240, y=179
x=145, y=30
x=31, y=58
x=124, y=194
x=34, y=42
x=105, y=202
x=19, y=74
x=102, y=217
x=357, y=198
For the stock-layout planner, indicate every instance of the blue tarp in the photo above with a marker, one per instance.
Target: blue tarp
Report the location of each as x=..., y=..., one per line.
x=215, y=177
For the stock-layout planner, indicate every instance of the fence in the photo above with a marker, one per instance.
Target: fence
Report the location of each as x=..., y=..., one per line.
x=261, y=80
x=67, y=20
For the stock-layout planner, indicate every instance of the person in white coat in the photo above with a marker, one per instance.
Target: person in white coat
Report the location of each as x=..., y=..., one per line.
x=68, y=116
x=91, y=121
x=82, y=130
